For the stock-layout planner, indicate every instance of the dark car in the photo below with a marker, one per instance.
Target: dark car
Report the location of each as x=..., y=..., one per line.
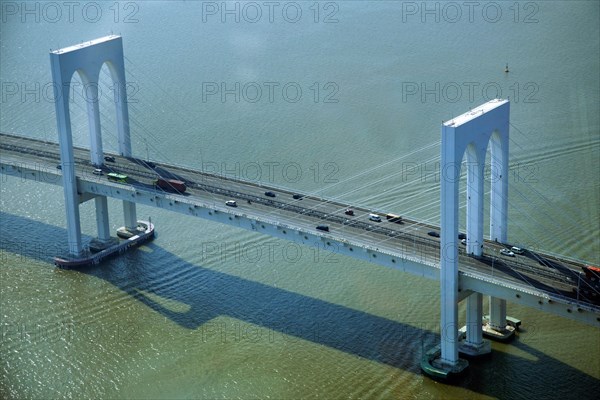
x=462, y=236
x=434, y=234
x=269, y=194
x=323, y=228
x=109, y=158
x=349, y=211
x=59, y=166
x=298, y=196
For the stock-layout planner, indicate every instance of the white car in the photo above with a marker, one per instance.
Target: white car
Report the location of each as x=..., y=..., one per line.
x=375, y=217
x=231, y=203
x=507, y=252
x=97, y=171
x=517, y=250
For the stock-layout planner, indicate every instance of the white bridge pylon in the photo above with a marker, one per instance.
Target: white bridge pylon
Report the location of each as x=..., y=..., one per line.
x=87, y=60
x=468, y=136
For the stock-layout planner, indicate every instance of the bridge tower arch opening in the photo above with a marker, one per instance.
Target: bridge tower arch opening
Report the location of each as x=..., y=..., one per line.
x=467, y=137
x=86, y=59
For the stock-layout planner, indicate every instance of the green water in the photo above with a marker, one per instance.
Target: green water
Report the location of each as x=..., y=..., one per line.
x=208, y=311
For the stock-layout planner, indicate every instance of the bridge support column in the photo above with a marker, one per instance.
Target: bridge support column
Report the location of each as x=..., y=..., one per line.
x=97, y=157
x=499, y=214
x=474, y=344
x=87, y=60
x=497, y=313
x=467, y=134
x=499, y=185
x=63, y=120
x=124, y=135
x=475, y=188
x=498, y=326
x=102, y=218
x=91, y=97
x=130, y=216
x=104, y=240
x=445, y=362
x=71, y=206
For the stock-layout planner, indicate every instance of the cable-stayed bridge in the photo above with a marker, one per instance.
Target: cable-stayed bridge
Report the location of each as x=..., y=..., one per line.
x=466, y=270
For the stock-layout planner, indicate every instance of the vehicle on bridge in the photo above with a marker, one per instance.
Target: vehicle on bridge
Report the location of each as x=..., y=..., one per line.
x=115, y=177
x=109, y=158
x=269, y=194
x=506, y=252
x=375, y=217
x=324, y=228
x=589, y=285
x=170, y=185
x=231, y=203
x=517, y=250
x=394, y=218
x=349, y=211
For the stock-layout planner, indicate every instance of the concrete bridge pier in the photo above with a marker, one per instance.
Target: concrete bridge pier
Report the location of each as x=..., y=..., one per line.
x=467, y=136
x=102, y=218
x=87, y=60
x=472, y=343
x=104, y=239
x=499, y=326
x=61, y=93
x=130, y=216
x=497, y=313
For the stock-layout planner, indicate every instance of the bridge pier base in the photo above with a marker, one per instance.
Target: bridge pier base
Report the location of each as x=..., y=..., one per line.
x=471, y=342
x=437, y=368
x=498, y=326
x=104, y=240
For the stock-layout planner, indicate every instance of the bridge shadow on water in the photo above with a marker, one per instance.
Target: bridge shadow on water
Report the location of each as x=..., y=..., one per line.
x=209, y=294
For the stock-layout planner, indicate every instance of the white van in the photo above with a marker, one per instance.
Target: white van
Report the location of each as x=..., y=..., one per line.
x=517, y=250
x=375, y=217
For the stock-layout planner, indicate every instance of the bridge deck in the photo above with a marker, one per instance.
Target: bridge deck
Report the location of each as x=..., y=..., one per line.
x=559, y=277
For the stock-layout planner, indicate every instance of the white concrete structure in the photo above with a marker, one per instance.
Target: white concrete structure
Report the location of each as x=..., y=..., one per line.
x=87, y=60
x=468, y=135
